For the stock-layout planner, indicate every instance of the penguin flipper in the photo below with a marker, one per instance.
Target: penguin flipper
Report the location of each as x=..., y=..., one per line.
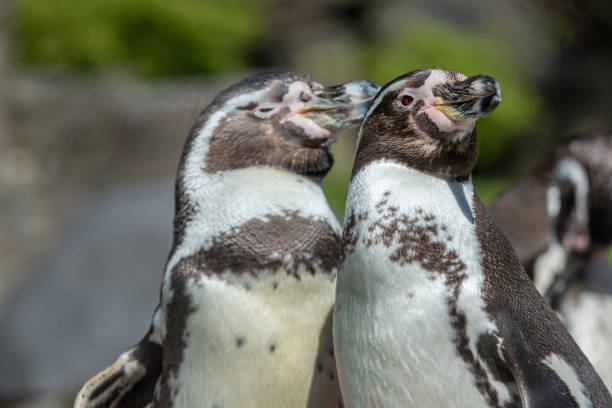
x=538, y=386
x=128, y=382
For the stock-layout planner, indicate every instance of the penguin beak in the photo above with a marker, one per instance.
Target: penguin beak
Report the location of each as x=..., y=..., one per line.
x=472, y=98
x=576, y=238
x=341, y=106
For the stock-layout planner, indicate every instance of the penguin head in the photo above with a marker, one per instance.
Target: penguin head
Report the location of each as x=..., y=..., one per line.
x=283, y=120
x=579, y=196
x=426, y=119
x=567, y=205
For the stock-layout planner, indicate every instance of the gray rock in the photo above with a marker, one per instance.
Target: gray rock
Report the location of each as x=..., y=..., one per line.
x=91, y=297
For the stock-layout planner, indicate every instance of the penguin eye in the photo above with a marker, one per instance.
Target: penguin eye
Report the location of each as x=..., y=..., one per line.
x=266, y=111
x=407, y=100
x=304, y=97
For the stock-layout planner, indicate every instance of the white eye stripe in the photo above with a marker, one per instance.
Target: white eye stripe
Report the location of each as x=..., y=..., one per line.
x=568, y=169
x=377, y=102
x=382, y=95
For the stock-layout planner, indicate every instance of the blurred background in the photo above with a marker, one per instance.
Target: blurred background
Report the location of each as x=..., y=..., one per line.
x=97, y=97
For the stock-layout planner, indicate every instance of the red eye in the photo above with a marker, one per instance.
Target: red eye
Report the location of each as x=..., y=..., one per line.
x=407, y=100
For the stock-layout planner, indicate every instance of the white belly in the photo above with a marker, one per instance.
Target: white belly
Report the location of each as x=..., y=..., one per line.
x=262, y=347
x=398, y=349
x=396, y=344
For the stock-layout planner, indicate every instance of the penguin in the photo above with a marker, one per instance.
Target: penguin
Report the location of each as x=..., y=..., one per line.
x=433, y=308
x=244, y=318
x=560, y=220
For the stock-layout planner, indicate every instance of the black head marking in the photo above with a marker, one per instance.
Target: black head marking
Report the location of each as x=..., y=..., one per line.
x=410, y=136
x=425, y=119
x=243, y=140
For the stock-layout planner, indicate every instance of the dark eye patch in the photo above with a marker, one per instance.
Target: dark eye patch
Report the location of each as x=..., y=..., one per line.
x=265, y=110
x=304, y=97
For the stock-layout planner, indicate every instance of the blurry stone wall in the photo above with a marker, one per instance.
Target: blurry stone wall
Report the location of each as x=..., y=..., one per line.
x=64, y=139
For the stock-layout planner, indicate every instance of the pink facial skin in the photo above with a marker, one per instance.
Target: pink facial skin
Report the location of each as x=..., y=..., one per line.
x=296, y=107
x=576, y=240
x=431, y=108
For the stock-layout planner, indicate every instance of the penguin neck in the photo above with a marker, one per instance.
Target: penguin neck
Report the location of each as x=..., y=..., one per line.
x=412, y=188
x=208, y=205
x=381, y=139
x=238, y=195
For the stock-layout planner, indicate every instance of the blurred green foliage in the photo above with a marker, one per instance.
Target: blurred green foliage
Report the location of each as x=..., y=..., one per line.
x=434, y=43
x=150, y=37
x=488, y=187
x=163, y=38
x=336, y=190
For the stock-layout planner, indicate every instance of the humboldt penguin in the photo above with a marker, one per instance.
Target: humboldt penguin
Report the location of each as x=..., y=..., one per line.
x=244, y=318
x=559, y=218
x=433, y=308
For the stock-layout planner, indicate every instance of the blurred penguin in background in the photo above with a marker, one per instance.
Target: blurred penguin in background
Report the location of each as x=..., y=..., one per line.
x=559, y=220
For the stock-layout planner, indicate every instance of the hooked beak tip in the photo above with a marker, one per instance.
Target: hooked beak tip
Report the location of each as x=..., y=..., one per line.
x=488, y=103
x=472, y=98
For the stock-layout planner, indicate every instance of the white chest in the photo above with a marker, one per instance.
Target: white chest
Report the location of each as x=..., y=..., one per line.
x=409, y=308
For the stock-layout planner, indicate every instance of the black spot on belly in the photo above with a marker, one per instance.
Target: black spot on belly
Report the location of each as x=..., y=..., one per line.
x=332, y=376
x=240, y=340
x=319, y=367
x=272, y=347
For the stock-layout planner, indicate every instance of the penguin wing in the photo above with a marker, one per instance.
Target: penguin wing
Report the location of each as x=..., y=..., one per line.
x=548, y=367
x=538, y=384
x=128, y=382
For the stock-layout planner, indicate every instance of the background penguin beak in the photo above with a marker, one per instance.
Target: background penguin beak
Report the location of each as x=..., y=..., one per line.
x=472, y=98
x=341, y=106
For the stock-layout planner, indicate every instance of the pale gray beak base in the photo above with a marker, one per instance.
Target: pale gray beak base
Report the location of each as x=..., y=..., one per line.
x=341, y=106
